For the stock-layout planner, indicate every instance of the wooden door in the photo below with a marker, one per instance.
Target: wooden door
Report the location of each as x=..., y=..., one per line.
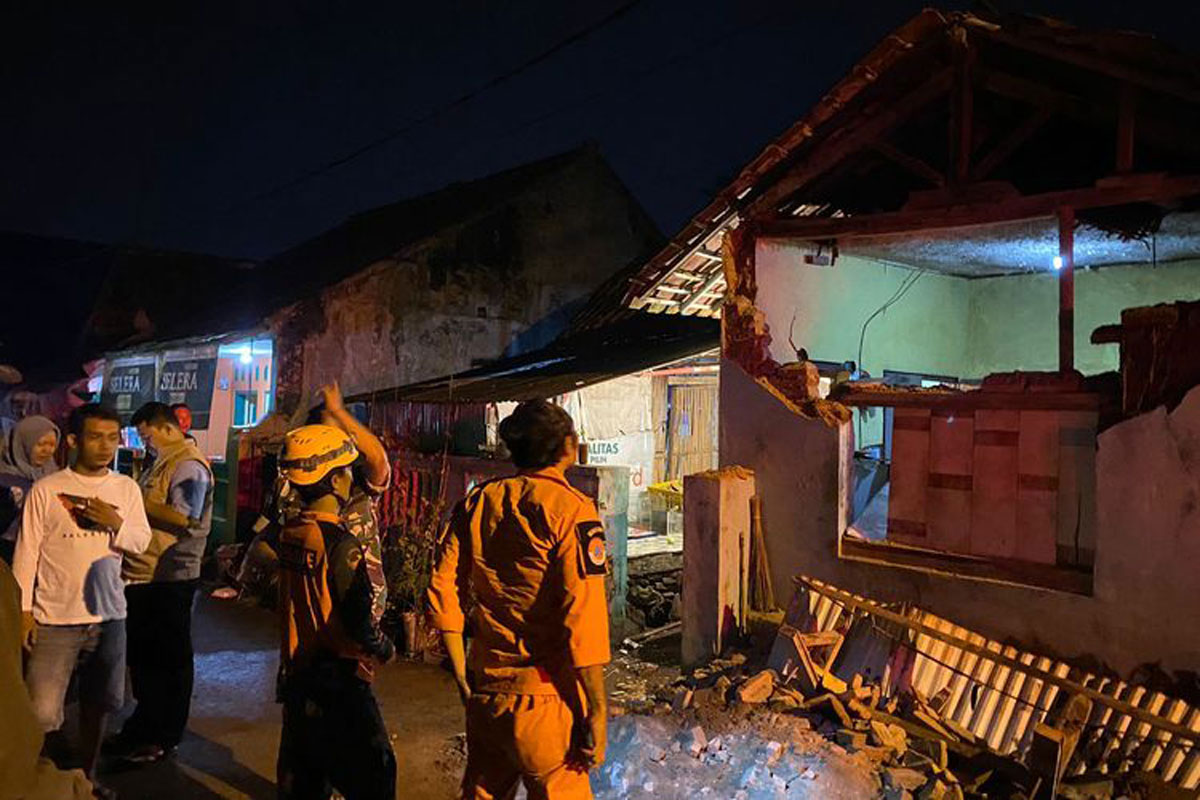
x=691, y=428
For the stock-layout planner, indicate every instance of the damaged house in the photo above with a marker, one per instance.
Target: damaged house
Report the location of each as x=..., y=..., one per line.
x=959, y=359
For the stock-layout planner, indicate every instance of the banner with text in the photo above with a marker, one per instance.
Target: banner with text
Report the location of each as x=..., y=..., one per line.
x=189, y=380
x=127, y=387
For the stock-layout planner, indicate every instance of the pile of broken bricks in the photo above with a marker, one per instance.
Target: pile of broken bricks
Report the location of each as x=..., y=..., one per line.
x=919, y=755
x=914, y=755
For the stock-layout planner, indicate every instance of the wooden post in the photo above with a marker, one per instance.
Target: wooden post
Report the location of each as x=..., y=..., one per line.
x=1066, y=289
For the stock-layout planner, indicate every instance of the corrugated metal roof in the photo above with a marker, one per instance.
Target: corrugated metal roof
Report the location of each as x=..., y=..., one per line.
x=636, y=343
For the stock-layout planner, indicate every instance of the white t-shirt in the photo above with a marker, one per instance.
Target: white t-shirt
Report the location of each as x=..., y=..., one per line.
x=70, y=575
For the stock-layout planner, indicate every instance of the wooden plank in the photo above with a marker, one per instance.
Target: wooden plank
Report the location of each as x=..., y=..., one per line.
x=973, y=400
x=959, y=565
x=871, y=126
x=1136, y=189
x=1009, y=145
x=910, y=162
x=876, y=609
x=1066, y=289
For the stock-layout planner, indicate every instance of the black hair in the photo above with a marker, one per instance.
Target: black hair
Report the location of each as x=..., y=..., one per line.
x=81, y=415
x=315, y=415
x=535, y=433
x=154, y=413
x=176, y=406
x=315, y=491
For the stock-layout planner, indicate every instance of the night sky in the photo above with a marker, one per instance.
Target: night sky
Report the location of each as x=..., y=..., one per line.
x=208, y=126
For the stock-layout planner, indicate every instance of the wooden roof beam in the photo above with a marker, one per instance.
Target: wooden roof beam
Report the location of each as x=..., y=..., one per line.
x=911, y=163
x=1182, y=89
x=854, y=136
x=1016, y=137
x=1150, y=130
x=1110, y=192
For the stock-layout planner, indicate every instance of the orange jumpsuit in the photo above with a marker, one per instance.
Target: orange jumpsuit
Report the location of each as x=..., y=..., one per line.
x=528, y=554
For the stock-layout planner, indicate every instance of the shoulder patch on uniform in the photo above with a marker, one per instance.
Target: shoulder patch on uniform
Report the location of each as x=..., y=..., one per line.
x=593, y=550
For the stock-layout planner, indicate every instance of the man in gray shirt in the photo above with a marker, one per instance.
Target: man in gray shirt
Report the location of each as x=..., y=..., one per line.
x=161, y=585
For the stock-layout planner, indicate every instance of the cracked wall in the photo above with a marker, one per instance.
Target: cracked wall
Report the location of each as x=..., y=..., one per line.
x=1145, y=606
x=443, y=304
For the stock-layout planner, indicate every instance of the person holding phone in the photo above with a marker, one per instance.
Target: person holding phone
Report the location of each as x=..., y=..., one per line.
x=76, y=526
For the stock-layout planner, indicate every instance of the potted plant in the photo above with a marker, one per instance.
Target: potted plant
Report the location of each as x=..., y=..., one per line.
x=408, y=565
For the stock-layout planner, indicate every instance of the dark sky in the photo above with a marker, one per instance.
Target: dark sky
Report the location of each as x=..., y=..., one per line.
x=173, y=127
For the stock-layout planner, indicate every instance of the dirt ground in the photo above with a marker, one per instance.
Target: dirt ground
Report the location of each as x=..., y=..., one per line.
x=230, y=747
x=229, y=751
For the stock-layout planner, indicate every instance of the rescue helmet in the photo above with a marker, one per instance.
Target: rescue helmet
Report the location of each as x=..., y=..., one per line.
x=313, y=451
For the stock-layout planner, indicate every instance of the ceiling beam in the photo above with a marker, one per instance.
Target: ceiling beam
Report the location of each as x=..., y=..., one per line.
x=853, y=135
x=1093, y=111
x=723, y=220
x=1183, y=89
x=910, y=162
x=1016, y=137
x=1109, y=192
x=704, y=288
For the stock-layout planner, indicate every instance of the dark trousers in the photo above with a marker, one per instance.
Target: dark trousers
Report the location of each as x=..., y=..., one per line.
x=161, y=663
x=333, y=738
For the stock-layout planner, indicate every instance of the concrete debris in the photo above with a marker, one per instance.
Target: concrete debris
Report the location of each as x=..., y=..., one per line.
x=890, y=736
x=751, y=763
x=758, y=689
x=694, y=741
x=903, y=778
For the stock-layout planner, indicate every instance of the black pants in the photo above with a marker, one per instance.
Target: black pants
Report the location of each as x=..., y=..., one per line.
x=161, y=661
x=333, y=738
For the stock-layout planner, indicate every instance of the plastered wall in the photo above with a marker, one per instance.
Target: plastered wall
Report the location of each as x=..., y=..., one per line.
x=1145, y=606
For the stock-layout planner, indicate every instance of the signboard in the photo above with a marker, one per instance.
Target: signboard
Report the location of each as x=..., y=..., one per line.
x=189, y=380
x=127, y=387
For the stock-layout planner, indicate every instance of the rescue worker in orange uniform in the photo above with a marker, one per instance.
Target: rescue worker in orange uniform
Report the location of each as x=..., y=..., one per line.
x=527, y=555
x=333, y=733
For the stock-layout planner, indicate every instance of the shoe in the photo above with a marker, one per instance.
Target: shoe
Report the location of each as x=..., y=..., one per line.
x=145, y=754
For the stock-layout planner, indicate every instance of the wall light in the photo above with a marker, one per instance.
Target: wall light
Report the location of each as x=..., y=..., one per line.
x=1058, y=262
x=246, y=358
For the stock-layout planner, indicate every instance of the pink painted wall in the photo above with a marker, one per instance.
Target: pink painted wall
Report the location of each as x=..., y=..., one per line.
x=1145, y=605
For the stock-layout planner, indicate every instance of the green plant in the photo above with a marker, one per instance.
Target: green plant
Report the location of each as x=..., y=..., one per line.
x=408, y=554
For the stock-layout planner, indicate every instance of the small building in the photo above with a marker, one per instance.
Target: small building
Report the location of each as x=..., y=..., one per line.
x=643, y=391
x=949, y=224
x=396, y=294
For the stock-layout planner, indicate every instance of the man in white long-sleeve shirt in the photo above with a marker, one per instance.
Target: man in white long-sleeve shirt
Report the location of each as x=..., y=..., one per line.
x=77, y=523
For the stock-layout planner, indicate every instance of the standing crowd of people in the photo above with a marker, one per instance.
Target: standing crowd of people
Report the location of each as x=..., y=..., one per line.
x=105, y=571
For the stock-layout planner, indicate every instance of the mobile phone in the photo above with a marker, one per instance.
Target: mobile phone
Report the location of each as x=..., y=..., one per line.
x=73, y=503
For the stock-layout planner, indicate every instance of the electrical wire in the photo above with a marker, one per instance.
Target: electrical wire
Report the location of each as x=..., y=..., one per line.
x=909, y=281
x=456, y=103
x=905, y=285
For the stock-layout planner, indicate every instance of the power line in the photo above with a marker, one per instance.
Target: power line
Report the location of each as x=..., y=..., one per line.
x=458, y=102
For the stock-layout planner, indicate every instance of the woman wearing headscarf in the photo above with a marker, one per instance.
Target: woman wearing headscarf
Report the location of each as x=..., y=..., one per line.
x=28, y=455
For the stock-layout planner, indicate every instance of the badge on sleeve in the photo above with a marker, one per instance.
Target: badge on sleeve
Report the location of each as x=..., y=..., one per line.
x=593, y=549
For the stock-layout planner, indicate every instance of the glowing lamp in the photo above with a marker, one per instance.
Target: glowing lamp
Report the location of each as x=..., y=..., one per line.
x=1058, y=262
x=246, y=358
